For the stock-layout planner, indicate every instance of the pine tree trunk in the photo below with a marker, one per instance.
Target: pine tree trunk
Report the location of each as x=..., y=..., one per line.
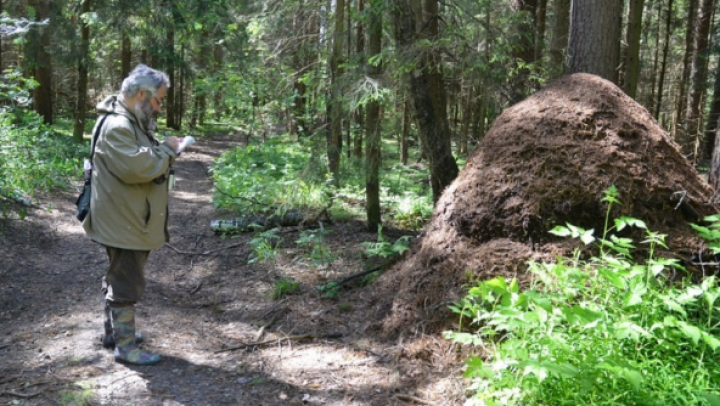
x=79, y=128
x=427, y=94
x=632, y=60
x=334, y=136
x=372, y=144
x=679, y=122
x=360, y=111
x=663, y=66
x=595, y=38
x=523, y=48
x=405, y=131
x=540, y=13
x=561, y=30
x=1, y=44
x=170, y=108
x=650, y=100
x=712, y=122
x=126, y=56
x=698, y=79
x=40, y=61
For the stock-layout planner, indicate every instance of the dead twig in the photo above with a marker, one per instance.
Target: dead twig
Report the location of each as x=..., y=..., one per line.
x=278, y=340
x=205, y=252
x=409, y=398
x=20, y=395
x=369, y=271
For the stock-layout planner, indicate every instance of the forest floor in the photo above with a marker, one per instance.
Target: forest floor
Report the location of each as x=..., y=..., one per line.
x=223, y=339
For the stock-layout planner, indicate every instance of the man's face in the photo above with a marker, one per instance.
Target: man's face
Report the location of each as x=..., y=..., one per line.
x=156, y=101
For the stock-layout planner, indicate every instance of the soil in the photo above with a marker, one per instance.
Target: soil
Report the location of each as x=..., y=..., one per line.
x=210, y=314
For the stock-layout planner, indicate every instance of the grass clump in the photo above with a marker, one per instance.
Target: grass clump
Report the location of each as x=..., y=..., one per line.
x=609, y=330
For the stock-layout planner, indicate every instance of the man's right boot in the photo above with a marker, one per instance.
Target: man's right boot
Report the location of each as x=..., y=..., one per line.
x=107, y=336
x=126, y=348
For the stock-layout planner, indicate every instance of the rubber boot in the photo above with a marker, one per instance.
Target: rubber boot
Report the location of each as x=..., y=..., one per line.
x=126, y=349
x=107, y=337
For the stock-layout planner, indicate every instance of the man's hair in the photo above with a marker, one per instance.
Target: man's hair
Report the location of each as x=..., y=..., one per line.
x=146, y=78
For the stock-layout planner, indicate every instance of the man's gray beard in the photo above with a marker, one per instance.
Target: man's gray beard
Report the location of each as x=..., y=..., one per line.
x=144, y=113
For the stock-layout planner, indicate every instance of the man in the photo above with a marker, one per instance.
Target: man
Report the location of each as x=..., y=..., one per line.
x=129, y=203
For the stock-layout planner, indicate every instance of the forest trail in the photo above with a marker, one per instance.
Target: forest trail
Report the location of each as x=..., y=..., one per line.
x=202, y=301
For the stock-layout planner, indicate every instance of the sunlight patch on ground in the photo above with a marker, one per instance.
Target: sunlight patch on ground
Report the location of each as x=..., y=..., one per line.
x=191, y=197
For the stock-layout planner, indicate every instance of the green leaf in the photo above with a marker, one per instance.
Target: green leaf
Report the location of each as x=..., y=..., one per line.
x=711, y=340
x=629, y=330
x=622, y=222
x=476, y=368
x=560, y=231
x=689, y=331
x=498, y=285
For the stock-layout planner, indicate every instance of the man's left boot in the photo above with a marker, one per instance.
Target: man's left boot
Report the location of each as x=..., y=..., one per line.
x=107, y=337
x=126, y=349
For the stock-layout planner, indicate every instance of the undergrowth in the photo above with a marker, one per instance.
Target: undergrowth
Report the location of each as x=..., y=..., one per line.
x=290, y=174
x=608, y=330
x=34, y=158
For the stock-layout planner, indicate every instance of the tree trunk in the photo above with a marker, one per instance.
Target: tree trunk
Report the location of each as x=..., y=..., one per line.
x=426, y=92
x=712, y=122
x=1, y=45
x=698, y=79
x=632, y=57
x=467, y=116
x=79, y=128
x=540, y=14
x=679, y=122
x=650, y=101
x=334, y=136
x=126, y=56
x=595, y=38
x=561, y=29
x=218, y=57
x=40, y=61
x=714, y=175
x=663, y=66
x=170, y=67
x=405, y=130
x=372, y=144
x=523, y=49
x=360, y=111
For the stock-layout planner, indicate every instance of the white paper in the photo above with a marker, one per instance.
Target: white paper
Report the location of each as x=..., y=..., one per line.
x=186, y=141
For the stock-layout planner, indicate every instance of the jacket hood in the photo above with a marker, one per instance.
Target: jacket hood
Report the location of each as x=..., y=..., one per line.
x=115, y=105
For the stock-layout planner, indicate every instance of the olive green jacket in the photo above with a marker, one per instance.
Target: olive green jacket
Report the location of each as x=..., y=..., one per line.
x=127, y=209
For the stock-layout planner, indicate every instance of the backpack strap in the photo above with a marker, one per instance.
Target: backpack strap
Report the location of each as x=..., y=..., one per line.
x=95, y=136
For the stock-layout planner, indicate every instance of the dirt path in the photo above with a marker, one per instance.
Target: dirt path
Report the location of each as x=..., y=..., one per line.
x=203, y=299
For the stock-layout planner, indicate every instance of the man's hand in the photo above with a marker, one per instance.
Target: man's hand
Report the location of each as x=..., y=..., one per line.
x=172, y=142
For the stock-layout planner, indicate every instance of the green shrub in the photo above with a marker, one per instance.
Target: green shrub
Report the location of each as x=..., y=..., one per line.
x=608, y=330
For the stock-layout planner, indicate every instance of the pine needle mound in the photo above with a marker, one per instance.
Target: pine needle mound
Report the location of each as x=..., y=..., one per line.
x=546, y=161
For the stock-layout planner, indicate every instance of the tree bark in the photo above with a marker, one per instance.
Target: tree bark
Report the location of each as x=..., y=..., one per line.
x=125, y=56
x=595, y=38
x=40, y=61
x=372, y=144
x=560, y=31
x=170, y=108
x=360, y=111
x=523, y=49
x=334, y=136
x=79, y=128
x=679, y=122
x=632, y=61
x=698, y=79
x=663, y=66
x=405, y=129
x=540, y=13
x=426, y=93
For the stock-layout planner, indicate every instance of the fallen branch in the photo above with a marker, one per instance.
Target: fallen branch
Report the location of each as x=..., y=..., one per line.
x=412, y=399
x=369, y=271
x=278, y=340
x=205, y=252
x=20, y=395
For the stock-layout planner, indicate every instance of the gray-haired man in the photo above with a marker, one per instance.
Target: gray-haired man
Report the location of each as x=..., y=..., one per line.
x=129, y=203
